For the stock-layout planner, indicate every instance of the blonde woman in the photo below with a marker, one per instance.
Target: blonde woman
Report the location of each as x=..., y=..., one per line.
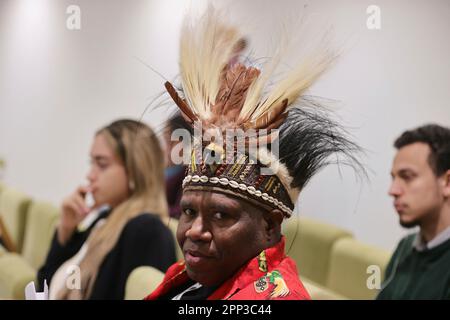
x=126, y=180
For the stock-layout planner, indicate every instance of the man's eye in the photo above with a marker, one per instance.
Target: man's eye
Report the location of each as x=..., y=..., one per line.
x=188, y=212
x=219, y=215
x=407, y=177
x=102, y=165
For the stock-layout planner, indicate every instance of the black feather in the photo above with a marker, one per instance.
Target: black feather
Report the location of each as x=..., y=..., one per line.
x=308, y=140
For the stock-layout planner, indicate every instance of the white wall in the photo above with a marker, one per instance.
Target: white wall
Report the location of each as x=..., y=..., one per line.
x=58, y=86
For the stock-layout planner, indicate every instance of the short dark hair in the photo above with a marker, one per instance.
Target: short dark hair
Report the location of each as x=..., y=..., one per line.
x=437, y=137
x=176, y=121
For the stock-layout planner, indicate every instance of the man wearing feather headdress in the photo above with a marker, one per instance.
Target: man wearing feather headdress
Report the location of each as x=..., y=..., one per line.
x=235, y=200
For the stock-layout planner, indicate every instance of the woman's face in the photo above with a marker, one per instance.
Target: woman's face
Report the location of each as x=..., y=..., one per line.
x=107, y=175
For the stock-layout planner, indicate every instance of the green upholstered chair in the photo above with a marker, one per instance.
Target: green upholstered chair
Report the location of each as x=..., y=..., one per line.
x=309, y=242
x=2, y=250
x=318, y=292
x=352, y=264
x=13, y=210
x=16, y=271
x=141, y=282
x=2, y=187
x=40, y=228
x=15, y=274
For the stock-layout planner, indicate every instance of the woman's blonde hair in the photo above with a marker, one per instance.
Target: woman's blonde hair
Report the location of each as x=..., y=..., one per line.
x=138, y=148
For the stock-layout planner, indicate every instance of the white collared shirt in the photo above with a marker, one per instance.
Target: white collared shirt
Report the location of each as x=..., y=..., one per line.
x=421, y=245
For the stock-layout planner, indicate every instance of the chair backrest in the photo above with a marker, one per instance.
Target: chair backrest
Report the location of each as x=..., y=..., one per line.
x=172, y=224
x=15, y=274
x=309, y=243
x=141, y=282
x=2, y=249
x=39, y=230
x=356, y=269
x=13, y=210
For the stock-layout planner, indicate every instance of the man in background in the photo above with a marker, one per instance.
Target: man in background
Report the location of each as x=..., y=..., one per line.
x=174, y=173
x=420, y=266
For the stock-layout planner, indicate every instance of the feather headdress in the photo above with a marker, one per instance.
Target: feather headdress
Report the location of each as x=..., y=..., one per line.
x=220, y=93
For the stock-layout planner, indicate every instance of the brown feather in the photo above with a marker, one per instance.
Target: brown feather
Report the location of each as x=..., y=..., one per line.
x=271, y=116
x=185, y=110
x=234, y=84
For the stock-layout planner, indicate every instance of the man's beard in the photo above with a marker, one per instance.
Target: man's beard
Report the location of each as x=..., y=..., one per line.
x=410, y=224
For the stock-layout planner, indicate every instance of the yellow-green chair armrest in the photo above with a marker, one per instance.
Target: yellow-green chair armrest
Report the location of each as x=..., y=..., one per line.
x=15, y=274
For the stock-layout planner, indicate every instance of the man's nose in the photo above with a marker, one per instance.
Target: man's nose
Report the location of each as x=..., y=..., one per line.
x=395, y=189
x=198, y=231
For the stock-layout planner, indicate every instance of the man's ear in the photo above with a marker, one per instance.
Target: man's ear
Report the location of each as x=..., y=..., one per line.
x=273, y=220
x=446, y=184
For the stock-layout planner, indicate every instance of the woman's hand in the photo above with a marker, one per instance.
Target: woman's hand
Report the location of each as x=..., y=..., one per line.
x=74, y=210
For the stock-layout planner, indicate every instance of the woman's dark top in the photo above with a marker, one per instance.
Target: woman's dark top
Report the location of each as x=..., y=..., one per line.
x=144, y=241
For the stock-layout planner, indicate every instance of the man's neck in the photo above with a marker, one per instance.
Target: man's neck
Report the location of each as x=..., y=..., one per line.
x=436, y=224
x=273, y=242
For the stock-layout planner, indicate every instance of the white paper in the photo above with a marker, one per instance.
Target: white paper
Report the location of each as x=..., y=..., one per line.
x=89, y=200
x=31, y=294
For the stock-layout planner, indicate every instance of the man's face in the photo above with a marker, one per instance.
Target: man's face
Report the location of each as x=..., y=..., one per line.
x=417, y=192
x=218, y=234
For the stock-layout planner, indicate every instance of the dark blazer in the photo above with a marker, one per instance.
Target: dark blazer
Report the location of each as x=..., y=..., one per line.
x=145, y=241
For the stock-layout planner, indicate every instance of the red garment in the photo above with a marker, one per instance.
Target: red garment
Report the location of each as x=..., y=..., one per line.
x=270, y=275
